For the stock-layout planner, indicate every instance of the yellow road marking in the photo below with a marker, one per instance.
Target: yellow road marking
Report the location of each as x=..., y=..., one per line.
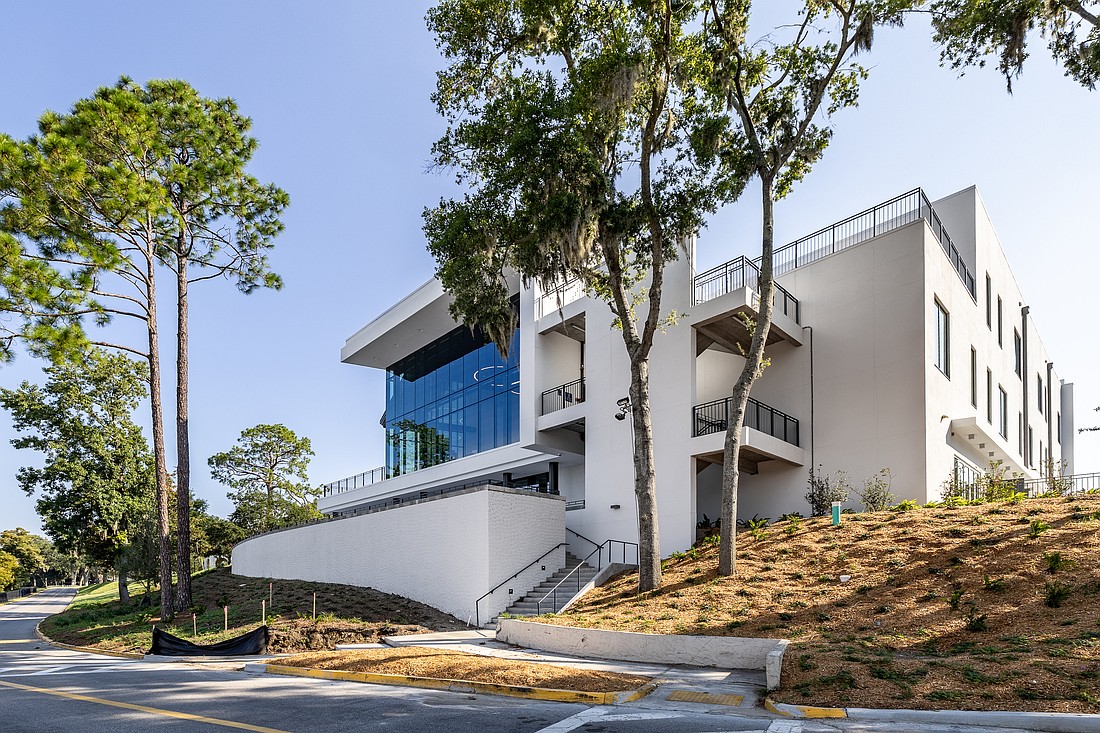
x=706, y=697
x=143, y=708
x=18, y=641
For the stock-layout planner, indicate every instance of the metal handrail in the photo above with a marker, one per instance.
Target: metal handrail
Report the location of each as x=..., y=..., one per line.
x=581, y=536
x=713, y=417
x=562, y=396
x=477, y=603
x=610, y=545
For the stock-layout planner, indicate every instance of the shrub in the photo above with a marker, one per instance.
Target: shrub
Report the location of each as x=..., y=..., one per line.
x=954, y=599
x=793, y=525
x=876, y=495
x=1053, y=562
x=906, y=506
x=995, y=584
x=824, y=490
x=976, y=621
x=1038, y=526
x=1055, y=592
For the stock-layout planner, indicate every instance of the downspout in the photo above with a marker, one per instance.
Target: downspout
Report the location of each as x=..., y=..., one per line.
x=1050, y=424
x=1025, y=376
x=813, y=441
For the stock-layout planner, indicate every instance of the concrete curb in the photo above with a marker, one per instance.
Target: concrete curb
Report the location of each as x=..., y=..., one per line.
x=85, y=649
x=722, y=652
x=1049, y=722
x=802, y=711
x=484, y=688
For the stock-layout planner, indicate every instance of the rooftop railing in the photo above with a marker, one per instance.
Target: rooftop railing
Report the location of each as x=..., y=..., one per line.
x=713, y=417
x=893, y=214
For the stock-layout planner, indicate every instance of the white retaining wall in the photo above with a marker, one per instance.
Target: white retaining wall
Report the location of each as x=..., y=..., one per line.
x=702, y=651
x=445, y=552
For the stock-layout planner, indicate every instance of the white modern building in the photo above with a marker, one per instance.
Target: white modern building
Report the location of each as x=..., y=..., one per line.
x=900, y=340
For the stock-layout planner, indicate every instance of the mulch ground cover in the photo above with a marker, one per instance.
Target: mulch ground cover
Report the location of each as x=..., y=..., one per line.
x=453, y=665
x=990, y=607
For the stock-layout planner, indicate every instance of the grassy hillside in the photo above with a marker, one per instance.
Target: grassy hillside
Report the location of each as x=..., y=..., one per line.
x=345, y=614
x=995, y=606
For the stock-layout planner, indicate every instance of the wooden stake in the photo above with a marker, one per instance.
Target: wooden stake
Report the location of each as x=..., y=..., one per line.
x=263, y=609
x=270, y=592
x=314, y=605
x=225, y=610
x=194, y=626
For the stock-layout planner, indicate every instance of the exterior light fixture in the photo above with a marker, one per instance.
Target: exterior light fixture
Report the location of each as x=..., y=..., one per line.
x=615, y=506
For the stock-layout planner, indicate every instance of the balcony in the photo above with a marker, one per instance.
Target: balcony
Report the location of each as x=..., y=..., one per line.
x=559, y=398
x=878, y=220
x=767, y=434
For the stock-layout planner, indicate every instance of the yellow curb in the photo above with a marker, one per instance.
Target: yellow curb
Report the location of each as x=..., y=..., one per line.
x=85, y=649
x=803, y=711
x=488, y=688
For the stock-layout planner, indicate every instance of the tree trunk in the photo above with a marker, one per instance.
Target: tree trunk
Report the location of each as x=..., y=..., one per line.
x=727, y=548
x=645, y=479
x=123, y=587
x=157, y=408
x=183, y=444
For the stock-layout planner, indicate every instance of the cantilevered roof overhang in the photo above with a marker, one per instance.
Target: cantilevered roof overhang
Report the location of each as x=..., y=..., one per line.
x=414, y=322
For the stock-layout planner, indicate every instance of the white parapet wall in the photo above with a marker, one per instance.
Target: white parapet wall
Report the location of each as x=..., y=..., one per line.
x=445, y=551
x=725, y=652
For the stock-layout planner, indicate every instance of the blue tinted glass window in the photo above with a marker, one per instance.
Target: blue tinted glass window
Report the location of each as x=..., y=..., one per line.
x=453, y=398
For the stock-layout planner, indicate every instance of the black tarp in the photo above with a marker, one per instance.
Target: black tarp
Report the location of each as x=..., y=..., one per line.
x=254, y=642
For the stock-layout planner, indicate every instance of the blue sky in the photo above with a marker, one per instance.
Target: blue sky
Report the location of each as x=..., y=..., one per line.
x=339, y=96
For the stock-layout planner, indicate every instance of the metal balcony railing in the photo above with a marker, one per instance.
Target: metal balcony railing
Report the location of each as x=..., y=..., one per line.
x=739, y=273
x=713, y=417
x=358, y=481
x=893, y=214
x=567, y=395
x=558, y=297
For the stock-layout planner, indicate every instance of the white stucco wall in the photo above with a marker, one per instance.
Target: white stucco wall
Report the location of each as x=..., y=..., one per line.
x=444, y=552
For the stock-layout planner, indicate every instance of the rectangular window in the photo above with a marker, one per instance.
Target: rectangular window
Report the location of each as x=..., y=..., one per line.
x=989, y=396
x=1000, y=322
x=1058, y=435
x=973, y=376
x=1018, y=345
x=1039, y=391
x=989, y=302
x=943, y=340
x=1004, y=411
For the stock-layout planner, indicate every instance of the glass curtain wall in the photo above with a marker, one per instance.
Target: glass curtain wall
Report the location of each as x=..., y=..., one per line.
x=455, y=397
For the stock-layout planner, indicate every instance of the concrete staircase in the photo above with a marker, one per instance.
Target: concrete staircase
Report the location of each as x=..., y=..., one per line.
x=528, y=604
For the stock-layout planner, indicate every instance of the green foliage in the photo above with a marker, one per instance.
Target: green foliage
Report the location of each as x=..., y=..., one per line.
x=1053, y=562
x=9, y=565
x=994, y=584
x=1037, y=527
x=972, y=31
x=976, y=621
x=876, y=495
x=955, y=598
x=823, y=490
x=905, y=506
x=267, y=470
x=95, y=484
x=1055, y=592
x=794, y=523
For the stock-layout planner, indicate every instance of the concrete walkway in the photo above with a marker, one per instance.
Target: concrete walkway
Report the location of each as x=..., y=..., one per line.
x=721, y=689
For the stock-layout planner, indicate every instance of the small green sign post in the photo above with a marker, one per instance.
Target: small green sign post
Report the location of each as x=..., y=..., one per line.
x=836, y=513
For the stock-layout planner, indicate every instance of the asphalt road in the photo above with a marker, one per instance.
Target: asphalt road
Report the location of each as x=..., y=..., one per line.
x=46, y=690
